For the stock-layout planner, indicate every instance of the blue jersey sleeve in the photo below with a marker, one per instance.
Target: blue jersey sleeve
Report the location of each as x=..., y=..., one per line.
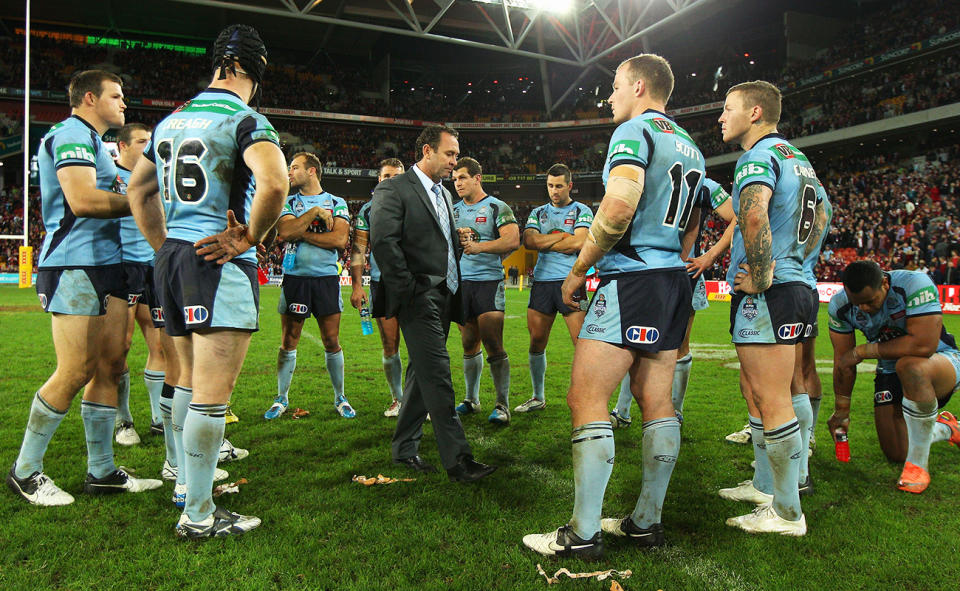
x=73, y=146
x=584, y=217
x=835, y=320
x=630, y=145
x=533, y=220
x=715, y=195
x=755, y=167
x=340, y=209
x=922, y=296
x=504, y=215
x=255, y=128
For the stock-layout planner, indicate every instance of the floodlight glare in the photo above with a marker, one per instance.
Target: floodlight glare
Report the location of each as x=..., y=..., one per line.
x=554, y=6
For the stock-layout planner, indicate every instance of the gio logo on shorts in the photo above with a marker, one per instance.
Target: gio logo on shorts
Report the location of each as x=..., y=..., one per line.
x=882, y=397
x=297, y=308
x=43, y=301
x=133, y=299
x=195, y=314
x=156, y=314
x=790, y=331
x=643, y=335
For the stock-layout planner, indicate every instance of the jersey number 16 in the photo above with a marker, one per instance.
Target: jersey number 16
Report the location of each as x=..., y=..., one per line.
x=183, y=176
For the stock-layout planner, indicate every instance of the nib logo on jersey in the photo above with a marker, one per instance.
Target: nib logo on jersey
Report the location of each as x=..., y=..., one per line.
x=195, y=314
x=642, y=335
x=790, y=331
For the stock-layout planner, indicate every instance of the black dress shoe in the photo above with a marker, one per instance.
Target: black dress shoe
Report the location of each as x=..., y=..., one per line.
x=469, y=470
x=417, y=464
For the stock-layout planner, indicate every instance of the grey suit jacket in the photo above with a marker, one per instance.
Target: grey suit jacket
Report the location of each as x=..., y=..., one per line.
x=408, y=244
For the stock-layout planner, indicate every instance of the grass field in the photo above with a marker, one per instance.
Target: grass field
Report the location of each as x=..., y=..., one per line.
x=321, y=531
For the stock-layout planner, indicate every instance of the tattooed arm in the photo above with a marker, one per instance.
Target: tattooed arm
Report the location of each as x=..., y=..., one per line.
x=754, y=222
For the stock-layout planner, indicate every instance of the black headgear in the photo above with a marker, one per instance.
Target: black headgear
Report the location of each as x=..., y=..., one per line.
x=240, y=44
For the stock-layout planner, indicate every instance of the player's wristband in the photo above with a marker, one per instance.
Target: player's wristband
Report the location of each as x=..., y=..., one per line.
x=579, y=268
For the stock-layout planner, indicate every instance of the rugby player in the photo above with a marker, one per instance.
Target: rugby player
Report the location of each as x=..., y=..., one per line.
x=79, y=281
x=137, y=270
x=775, y=197
x=489, y=233
x=214, y=163
x=389, y=328
x=918, y=365
x=712, y=198
x=556, y=230
x=652, y=177
x=316, y=226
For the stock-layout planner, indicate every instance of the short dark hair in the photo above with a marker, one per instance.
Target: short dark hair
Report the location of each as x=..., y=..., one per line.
x=430, y=136
x=762, y=93
x=395, y=162
x=473, y=167
x=561, y=170
x=126, y=132
x=655, y=72
x=89, y=81
x=861, y=274
x=312, y=161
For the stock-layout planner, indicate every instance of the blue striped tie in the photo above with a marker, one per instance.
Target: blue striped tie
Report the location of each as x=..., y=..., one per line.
x=452, y=279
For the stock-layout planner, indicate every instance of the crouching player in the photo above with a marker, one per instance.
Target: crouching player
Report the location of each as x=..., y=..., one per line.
x=917, y=363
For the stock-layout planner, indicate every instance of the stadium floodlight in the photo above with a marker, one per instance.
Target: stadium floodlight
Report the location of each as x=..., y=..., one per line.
x=554, y=6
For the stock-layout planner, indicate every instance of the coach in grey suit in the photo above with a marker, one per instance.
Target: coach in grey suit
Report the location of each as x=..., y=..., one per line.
x=414, y=240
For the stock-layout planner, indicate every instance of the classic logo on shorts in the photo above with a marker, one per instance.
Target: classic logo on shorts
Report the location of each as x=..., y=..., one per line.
x=195, y=314
x=600, y=305
x=594, y=329
x=748, y=332
x=749, y=308
x=297, y=308
x=156, y=314
x=643, y=335
x=883, y=396
x=790, y=331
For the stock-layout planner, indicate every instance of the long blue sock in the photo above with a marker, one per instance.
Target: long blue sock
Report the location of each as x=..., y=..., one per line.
x=286, y=365
x=153, y=380
x=538, y=371
x=166, y=415
x=815, y=410
x=593, y=453
x=393, y=369
x=181, y=404
x=804, y=412
x=123, y=398
x=762, y=476
x=681, y=376
x=661, y=445
x=42, y=424
x=98, y=420
x=335, y=369
x=500, y=370
x=625, y=398
x=472, y=368
x=920, y=418
x=202, y=435
x=783, y=452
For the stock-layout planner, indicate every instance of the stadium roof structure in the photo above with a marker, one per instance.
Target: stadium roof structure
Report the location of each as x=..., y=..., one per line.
x=588, y=34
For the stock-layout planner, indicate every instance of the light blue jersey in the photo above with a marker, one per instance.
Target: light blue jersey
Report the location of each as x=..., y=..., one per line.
x=136, y=249
x=712, y=196
x=911, y=293
x=777, y=164
x=674, y=172
x=313, y=261
x=810, y=263
x=198, y=150
x=363, y=224
x=73, y=241
x=485, y=218
x=548, y=219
